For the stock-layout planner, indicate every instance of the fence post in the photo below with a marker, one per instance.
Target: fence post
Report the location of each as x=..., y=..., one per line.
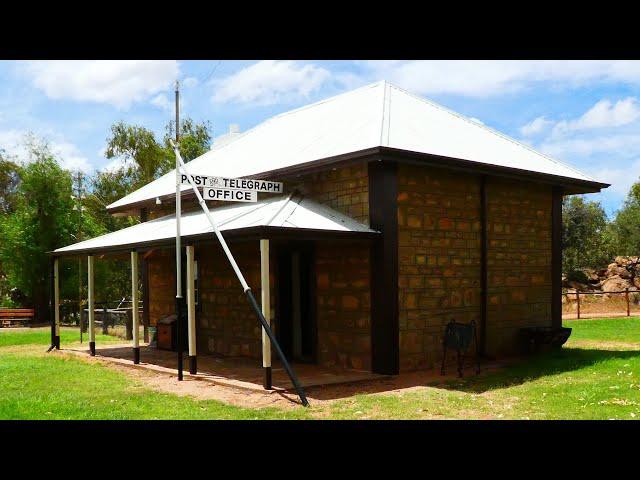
x=626, y=294
x=578, y=300
x=105, y=327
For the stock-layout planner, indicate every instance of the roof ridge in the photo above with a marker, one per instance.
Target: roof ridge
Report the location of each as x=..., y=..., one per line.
x=489, y=129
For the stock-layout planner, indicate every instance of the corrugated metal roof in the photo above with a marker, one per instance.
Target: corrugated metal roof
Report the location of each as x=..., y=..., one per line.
x=293, y=212
x=377, y=115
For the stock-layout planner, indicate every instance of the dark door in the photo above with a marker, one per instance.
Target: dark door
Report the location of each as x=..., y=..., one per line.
x=295, y=314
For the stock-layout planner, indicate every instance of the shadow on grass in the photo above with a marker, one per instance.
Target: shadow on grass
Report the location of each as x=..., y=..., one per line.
x=541, y=365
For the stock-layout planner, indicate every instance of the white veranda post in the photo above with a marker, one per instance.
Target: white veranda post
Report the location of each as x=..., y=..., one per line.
x=245, y=287
x=56, y=300
x=191, y=309
x=134, y=307
x=266, y=310
x=90, y=306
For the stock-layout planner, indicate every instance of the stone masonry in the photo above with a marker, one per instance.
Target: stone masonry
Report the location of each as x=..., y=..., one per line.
x=439, y=260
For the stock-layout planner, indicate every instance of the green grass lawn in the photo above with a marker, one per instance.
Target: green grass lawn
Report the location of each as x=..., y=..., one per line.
x=42, y=336
x=621, y=329
x=584, y=380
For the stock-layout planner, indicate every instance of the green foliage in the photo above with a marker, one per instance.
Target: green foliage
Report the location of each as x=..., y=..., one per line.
x=42, y=220
x=625, y=228
x=9, y=178
x=586, y=239
x=195, y=139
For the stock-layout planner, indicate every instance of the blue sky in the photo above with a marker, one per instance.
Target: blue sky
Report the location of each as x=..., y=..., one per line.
x=585, y=113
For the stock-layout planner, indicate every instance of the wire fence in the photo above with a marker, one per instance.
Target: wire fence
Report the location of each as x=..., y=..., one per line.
x=622, y=303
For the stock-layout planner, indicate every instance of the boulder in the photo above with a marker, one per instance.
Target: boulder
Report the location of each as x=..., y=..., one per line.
x=616, y=284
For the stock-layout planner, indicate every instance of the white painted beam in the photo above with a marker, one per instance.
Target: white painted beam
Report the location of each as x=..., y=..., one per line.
x=134, y=306
x=90, y=306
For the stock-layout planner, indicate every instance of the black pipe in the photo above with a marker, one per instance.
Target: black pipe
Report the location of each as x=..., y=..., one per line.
x=193, y=364
x=274, y=342
x=136, y=355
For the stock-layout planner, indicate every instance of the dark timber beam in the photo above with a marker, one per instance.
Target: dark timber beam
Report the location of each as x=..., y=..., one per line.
x=383, y=216
x=484, y=270
x=556, y=257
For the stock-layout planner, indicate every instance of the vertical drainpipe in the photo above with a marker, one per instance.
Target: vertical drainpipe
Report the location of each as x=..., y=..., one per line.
x=484, y=270
x=556, y=257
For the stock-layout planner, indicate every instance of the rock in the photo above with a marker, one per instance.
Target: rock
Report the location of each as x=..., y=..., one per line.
x=625, y=273
x=620, y=261
x=616, y=284
x=591, y=275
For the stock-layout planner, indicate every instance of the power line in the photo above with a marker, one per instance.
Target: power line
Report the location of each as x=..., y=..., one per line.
x=212, y=72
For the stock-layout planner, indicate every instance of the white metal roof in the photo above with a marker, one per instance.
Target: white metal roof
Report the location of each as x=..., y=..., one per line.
x=376, y=115
x=293, y=212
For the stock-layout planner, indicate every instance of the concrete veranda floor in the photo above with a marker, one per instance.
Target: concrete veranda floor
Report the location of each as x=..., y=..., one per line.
x=239, y=372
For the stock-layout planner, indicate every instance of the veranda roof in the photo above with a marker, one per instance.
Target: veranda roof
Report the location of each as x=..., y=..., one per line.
x=282, y=215
x=377, y=116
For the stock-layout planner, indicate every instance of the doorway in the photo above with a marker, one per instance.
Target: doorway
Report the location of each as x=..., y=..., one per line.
x=296, y=309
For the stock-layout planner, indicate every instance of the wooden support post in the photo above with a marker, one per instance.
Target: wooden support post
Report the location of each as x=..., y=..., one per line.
x=56, y=301
x=134, y=307
x=578, y=302
x=91, y=307
x=626, y=294
x=266, y=311
x=191, y=310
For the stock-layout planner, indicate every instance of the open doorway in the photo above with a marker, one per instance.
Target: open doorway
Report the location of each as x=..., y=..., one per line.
x=296, y=309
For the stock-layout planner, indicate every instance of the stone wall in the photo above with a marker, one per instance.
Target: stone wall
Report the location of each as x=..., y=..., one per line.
x=227, y=325
x=439, y=260
x=162, y=286
x=343, y=303
x=519, y=261
x=345, y=189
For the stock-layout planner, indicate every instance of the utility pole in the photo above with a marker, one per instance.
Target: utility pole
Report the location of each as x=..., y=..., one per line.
x=79, y=197
x=178, y=247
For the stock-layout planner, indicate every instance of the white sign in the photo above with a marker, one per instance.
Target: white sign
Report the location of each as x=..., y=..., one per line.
x=234, y=183
x=229, y=194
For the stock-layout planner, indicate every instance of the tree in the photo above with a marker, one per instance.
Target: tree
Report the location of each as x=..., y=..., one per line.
x=9, y=178
x=586, y=238
x=626, y=225
x=146, y=158
x=41, y=221
x=138, y=146
x=195, y=139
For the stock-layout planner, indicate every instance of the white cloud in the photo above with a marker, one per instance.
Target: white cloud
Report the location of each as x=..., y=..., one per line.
x=116, y=82
x=602, y=115
x=476, y=120
x=190, y=82
x=161, y=101
x=68, y=154
x=482, y=78
x=270, y=81
x=535, y=126
x=621, y=178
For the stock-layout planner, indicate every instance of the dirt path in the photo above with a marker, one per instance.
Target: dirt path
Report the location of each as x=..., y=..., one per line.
x=321, y=398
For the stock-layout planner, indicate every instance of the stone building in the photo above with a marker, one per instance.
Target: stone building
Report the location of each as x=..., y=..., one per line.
x=397, y=216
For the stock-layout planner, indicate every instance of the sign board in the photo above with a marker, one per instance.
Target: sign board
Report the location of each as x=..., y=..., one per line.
x=229, y=194
x=234, y=183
